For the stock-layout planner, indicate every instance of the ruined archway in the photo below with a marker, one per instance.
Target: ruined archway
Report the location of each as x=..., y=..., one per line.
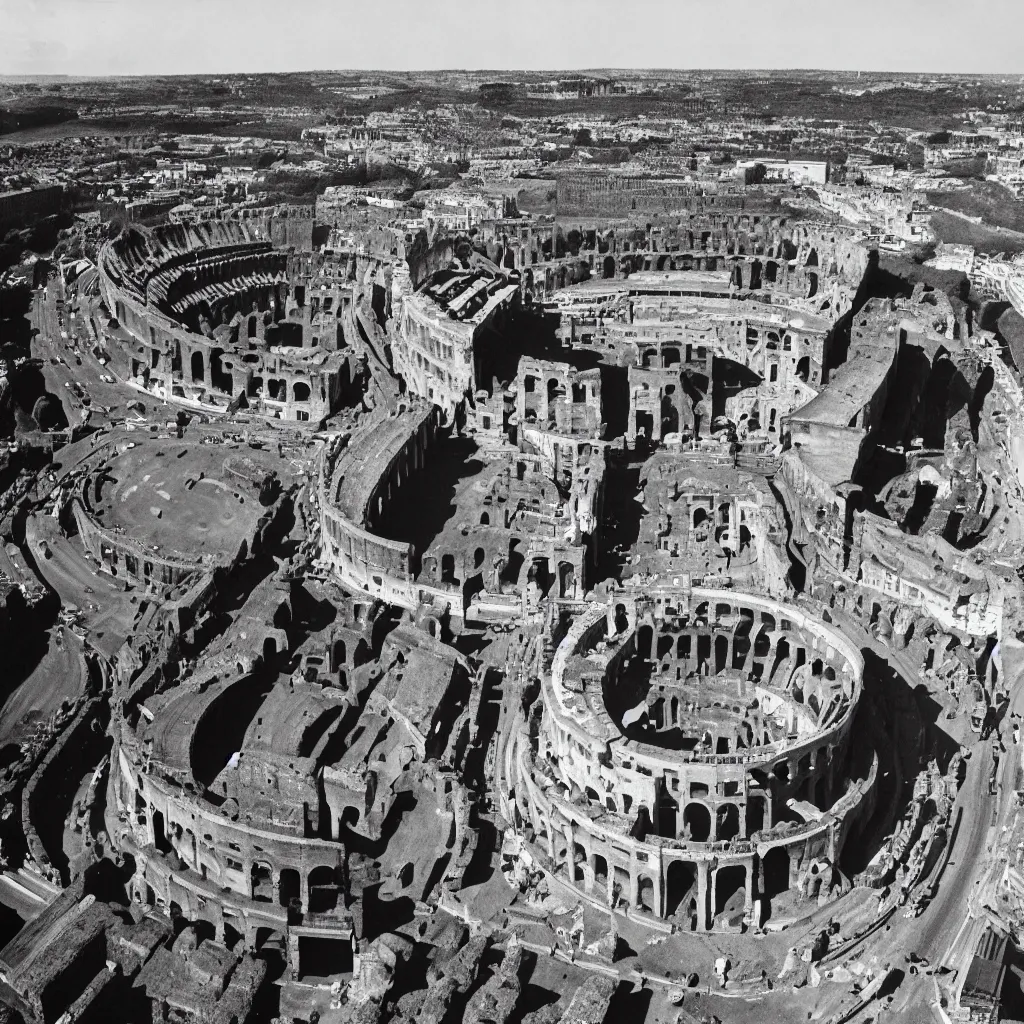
x=697, y=822
x=681, y=892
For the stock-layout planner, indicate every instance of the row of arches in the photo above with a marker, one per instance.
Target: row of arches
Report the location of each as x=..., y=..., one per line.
x=319, y=891
x=691, y=894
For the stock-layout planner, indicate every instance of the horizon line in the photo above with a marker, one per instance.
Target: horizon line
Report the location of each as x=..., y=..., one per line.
x=70, y=76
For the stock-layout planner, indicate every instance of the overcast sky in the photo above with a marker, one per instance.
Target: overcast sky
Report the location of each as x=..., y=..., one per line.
x=103, y=37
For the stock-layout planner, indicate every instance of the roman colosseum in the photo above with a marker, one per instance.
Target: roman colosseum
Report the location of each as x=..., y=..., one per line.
x=218, y=319
x=690, y=757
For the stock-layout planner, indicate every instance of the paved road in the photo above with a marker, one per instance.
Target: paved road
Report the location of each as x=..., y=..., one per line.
x=71, y=362
x=932, y=933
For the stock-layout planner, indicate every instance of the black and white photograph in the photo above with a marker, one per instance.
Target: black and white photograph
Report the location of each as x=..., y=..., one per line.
x=511, y=514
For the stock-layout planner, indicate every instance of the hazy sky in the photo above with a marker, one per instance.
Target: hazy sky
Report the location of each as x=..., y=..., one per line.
x=80, y=37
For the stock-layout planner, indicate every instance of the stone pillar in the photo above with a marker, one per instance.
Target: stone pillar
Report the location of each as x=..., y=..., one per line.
x=748, y=900
x=703, y=871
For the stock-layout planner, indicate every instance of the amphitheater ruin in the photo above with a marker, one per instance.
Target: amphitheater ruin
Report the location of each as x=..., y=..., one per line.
x=477, y=582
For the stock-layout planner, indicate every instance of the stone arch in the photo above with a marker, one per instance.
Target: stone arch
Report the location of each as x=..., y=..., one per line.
x=645, y=894
x=566, y=579
x=757, y=806
x=261, y=881
x=288, y=887
x=579, y=858
x=668, y=813
x=664, y=645
x=323, y=889
x=270, y=941
x=775, y=872
x=729, y=883
x=697, y=821
x=232, y=936
x=721, y=652
x=669, y=416
x=448, y=568
x=727, y=824
x=681, y=892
